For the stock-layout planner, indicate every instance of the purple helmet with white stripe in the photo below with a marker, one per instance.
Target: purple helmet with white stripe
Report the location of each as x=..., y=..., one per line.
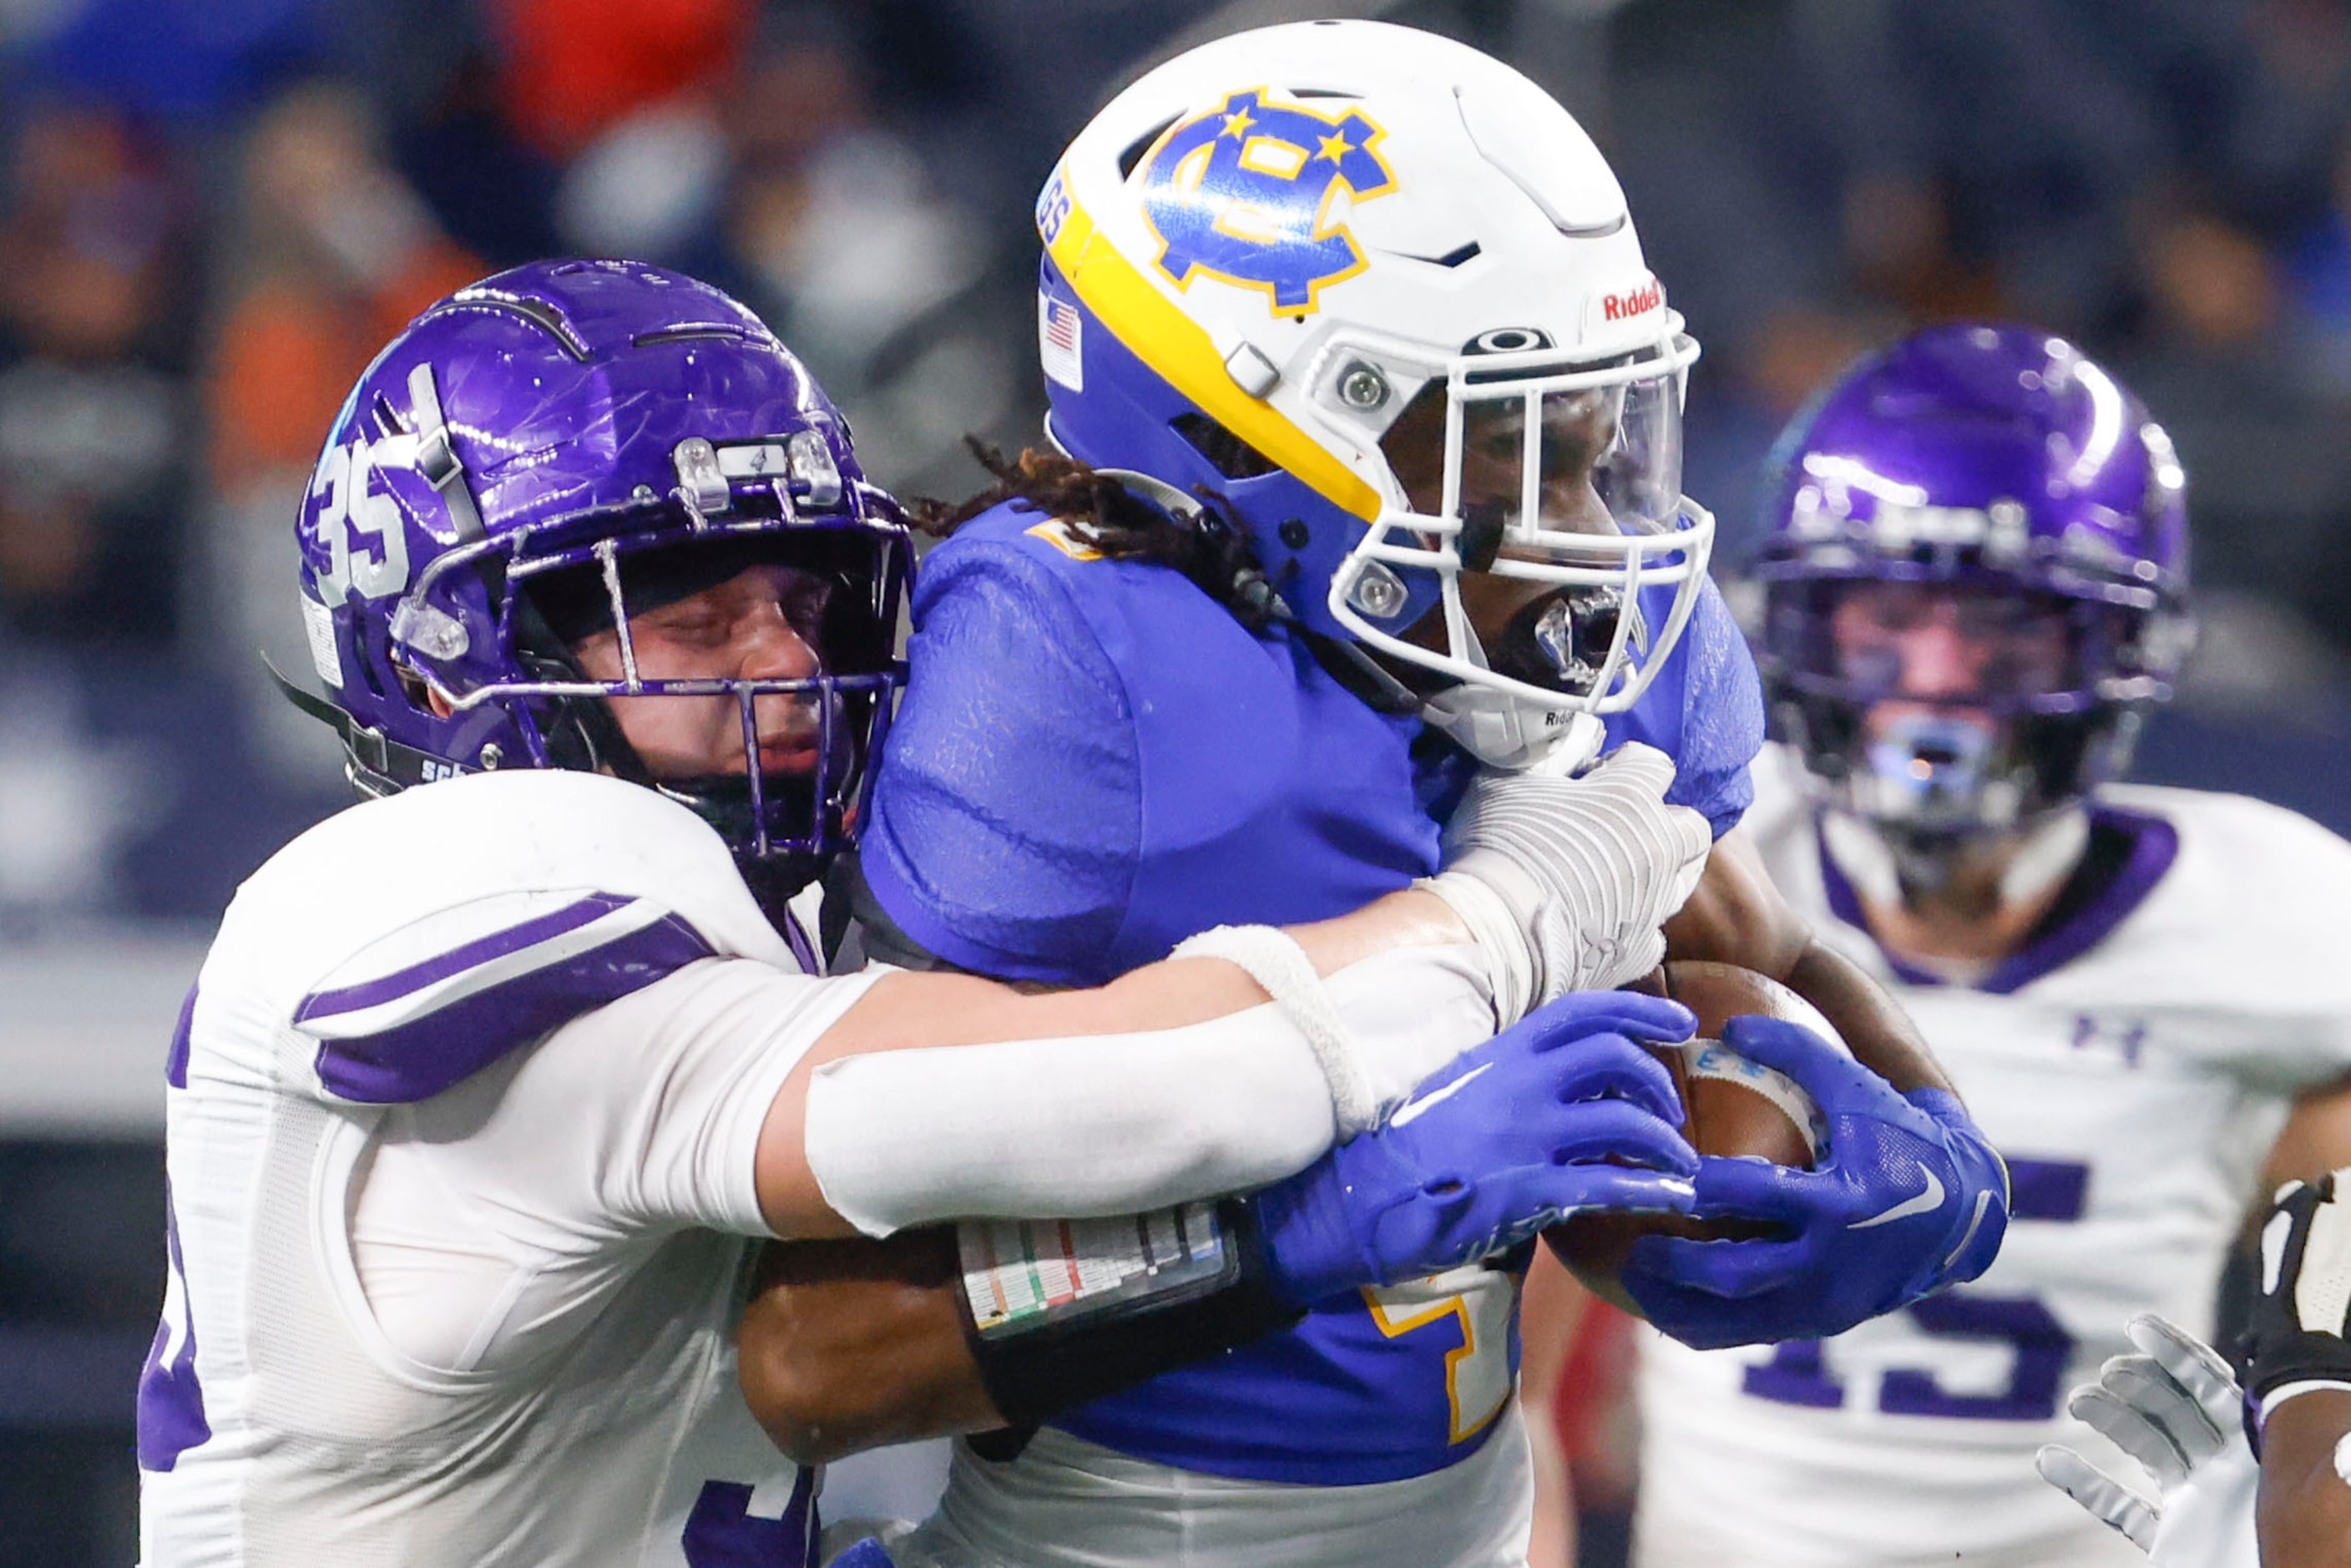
x=547, y=453
x=2001, y=468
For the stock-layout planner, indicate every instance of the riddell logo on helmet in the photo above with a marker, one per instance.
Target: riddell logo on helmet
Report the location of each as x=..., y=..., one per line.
x=1639, y=302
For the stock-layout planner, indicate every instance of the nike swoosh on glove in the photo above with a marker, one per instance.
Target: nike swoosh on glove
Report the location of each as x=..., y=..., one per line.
x=1906, y=1197
x=2175, y=1409
x=1512, y=1136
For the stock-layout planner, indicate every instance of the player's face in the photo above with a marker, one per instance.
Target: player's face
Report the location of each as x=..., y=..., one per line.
x=760, y=624
x=1578, y=429
x=1943, y=649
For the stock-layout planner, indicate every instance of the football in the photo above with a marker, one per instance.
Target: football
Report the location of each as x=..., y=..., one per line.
x=1731, y=1105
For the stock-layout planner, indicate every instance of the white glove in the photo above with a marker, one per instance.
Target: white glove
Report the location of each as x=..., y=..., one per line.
x=2178, y=1411
x=1565, y=882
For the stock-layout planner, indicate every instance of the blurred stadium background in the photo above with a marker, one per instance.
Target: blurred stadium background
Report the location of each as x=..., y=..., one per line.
x=212, y=210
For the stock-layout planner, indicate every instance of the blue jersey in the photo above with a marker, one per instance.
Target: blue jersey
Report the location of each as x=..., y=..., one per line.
x=1093, y=761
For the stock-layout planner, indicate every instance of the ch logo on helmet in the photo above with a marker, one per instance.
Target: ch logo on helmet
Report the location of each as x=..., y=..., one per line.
x=1244, y=194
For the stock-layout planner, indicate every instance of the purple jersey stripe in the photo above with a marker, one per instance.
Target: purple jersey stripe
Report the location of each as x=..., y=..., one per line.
x=496, y=945
x=802, y=948
x=2047, y=1189
x=2154, y=845
x=723, y=1533
x=170, y=1405
x=175, y=1066
x=418, y=1059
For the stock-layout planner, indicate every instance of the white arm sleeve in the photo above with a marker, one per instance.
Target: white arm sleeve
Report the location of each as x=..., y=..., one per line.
x=505, y=1210
x=1114, y=1124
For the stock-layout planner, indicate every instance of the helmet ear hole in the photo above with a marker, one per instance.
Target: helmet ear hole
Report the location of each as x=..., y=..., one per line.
x=412, y=686
x=370, y=676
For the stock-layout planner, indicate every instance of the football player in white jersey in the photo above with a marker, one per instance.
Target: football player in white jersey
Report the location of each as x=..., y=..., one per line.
x=487, y=1091
x=1972, y=592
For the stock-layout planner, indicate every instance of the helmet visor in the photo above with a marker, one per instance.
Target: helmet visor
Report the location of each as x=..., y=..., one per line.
x=1545, y=494
x=1985, y=645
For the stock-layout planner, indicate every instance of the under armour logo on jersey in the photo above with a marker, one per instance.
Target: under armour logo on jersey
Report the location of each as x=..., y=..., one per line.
x=2126, y=1038
x=1244, y=194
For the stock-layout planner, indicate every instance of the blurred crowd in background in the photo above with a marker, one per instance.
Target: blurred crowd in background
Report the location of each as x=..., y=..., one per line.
x=212, y=210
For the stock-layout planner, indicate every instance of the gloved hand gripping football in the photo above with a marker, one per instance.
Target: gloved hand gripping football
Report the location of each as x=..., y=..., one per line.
x=1906, y=1197
x=1510, y=1137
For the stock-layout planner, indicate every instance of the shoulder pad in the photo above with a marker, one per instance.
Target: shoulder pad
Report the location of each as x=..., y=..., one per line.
x=420, y=937
x=2243, y=935
x=2254, y=874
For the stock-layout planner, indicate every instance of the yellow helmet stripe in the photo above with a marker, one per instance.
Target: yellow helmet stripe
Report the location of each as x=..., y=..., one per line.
x=1173, y=345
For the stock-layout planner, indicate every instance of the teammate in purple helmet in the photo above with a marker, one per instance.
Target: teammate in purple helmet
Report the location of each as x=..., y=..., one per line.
x=491, y=1086
x=1974, y=592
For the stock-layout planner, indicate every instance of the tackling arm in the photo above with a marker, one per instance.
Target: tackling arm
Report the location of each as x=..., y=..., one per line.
x=1544, y=881
x=1154, y=1005
x=852, y=1344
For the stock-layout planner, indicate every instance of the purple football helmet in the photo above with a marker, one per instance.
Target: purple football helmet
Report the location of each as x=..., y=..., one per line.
x=541, y=455
x=2002, y=468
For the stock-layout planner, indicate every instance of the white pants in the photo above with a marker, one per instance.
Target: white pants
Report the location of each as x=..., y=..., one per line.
x=1066, y=1503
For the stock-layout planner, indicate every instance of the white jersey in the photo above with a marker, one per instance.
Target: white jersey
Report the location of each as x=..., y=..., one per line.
x=2134, y=1068
x=462, y=1119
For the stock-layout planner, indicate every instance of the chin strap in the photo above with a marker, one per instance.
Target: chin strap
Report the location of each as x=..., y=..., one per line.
x=2053, y=847
x=1885, y=863
x=1504, y=733
x=375, y=765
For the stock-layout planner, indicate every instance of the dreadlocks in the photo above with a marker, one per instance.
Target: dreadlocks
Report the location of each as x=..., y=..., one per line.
x=1104, y=515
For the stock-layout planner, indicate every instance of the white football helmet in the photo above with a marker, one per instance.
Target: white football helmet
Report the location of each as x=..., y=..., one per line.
x=1380, y=294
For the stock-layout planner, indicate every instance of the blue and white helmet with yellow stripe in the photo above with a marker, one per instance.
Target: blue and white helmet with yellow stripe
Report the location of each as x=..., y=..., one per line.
x=1380, y=293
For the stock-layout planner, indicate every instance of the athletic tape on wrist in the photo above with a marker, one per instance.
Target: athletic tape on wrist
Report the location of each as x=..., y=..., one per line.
x=1275, y=961
x=1501, y=934
x=1020, y=1275
x=1060, y=1312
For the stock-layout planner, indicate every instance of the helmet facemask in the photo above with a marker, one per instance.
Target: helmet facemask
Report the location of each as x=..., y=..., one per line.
x=558, y=587
x=1541, y=492
x=2040, y=698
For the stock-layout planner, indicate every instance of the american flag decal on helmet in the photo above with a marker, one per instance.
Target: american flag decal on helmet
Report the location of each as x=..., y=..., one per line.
x=1059, y=335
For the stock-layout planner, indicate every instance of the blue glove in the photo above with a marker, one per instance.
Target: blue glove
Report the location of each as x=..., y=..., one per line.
x=1508, y=1138
x=867, y=1554
x=1906, y=1198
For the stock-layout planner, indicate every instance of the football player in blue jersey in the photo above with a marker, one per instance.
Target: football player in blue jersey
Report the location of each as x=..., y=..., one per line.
x=1364, y=518
x=492, y=1086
